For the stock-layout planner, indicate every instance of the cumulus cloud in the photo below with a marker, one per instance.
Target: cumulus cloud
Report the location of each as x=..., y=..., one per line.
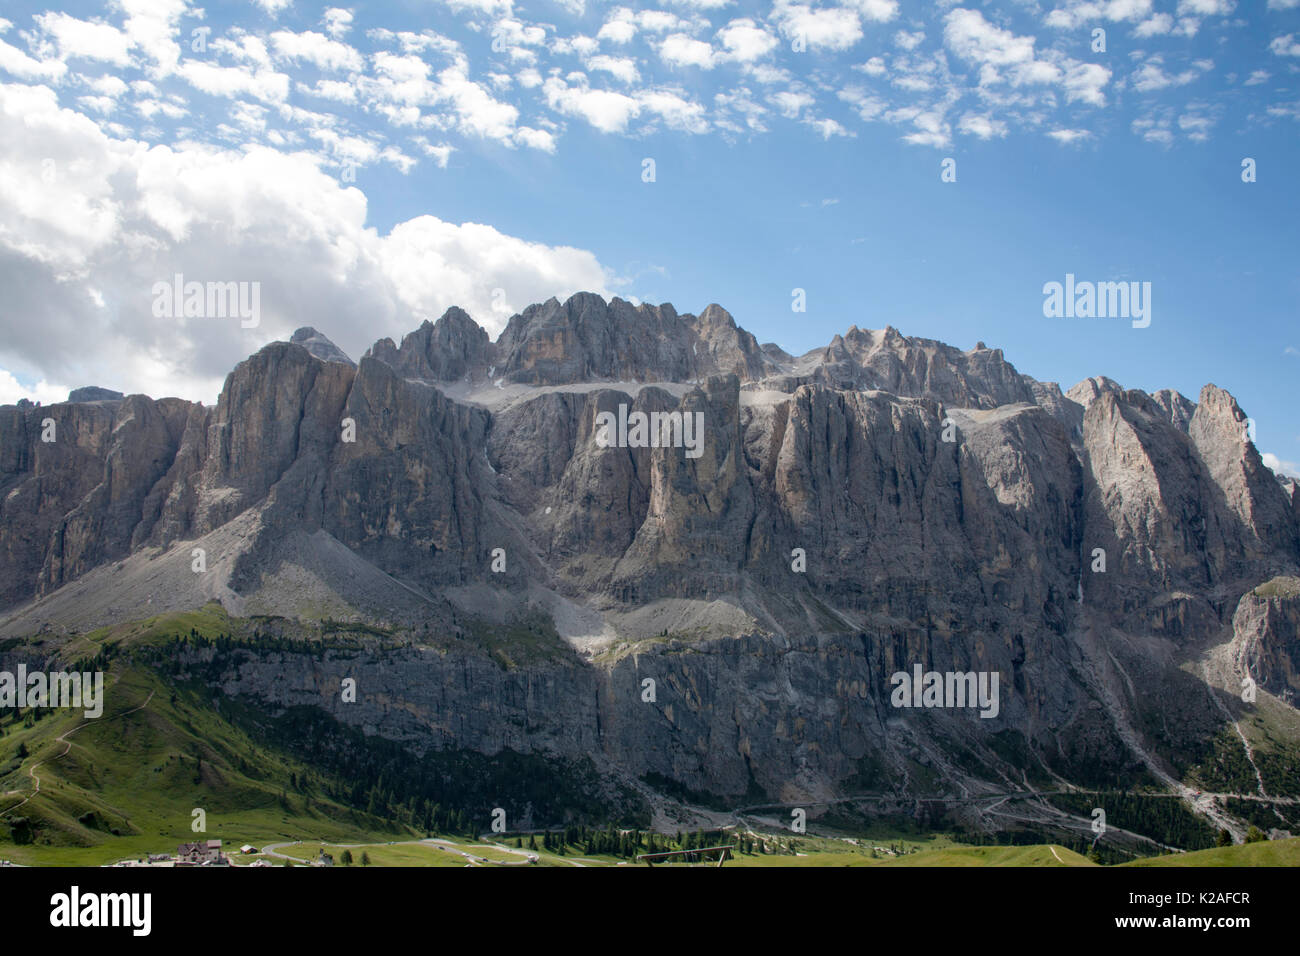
x=1151, y=76
x=678, y=49
x=1285, y=45
x=317, y=49
x=833, y=28
x=86, y=39
x=1079, y=12
x=1003, y=57
x=1157, y=25
x=618, y=29
x=337, y=22
x=982, y=126
x=1207, y=8
x=621, y=67
x=1288, y=468
x=82, y=247
x=12, y=390
x=746, y=41
x=606, y=110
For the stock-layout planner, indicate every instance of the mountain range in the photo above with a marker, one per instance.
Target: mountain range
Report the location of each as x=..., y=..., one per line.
x=716, y=631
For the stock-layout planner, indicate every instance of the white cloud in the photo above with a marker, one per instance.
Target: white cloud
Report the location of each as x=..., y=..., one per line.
x=790, y=103
x=440, y=153
x=1154, y=129
x=1288, y=468
x=491, y=7
x=660, y=21
x=835, y=28
x=1157, y=25
x=1151, y=76
x=1084, y=82
x=477, y=111
x=107, y=85
x=674, y=110
x=745, y=41
x=243, y=47
x=265, y=85
x=317, y=49
x=273, y=7
x=1206, y=8
x=79, y=256
x=680, y=50
x=740, y=101
x=336, y=90
x=1002, y=56
x=1078, y=12
x=973, y=38
x=538, y=139
x=337, y=22
x=929, y=128
x=909, y=41
x=867, y=106
x=618, y=30
x=153, y=26
x=1068, y=137
x=825, y=127
x=878, y=11
x=17, y=63
x=607, y=111
x=982, y=126
x=1196, y=125
x=579, y=45
x=516, y=33
x=86, y=39
x=97, y=104
x=1285, y=45
x=12, y=391
x=346, y=149
x=620, y=67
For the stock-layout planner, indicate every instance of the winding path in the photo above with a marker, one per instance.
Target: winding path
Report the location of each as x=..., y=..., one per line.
x=67, y=746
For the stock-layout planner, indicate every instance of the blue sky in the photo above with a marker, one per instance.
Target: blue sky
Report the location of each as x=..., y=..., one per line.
x=371, y=165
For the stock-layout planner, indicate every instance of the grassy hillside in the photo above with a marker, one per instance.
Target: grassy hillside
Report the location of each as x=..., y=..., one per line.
x=128, y=783
x=1268, y=853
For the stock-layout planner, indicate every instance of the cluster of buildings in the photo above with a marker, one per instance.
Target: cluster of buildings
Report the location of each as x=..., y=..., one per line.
x=203, y=853
x=209, y=853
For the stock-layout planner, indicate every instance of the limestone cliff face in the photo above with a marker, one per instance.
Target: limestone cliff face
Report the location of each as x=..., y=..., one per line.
x=1266, y=629
x=846, y=514
x=76, y=500
x=451, y=349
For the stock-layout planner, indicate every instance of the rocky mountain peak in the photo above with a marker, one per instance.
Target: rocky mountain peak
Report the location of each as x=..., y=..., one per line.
x=1087, y=391
x=319, y=346
x=1179, y=408
x=715, y=314
x=93, y=393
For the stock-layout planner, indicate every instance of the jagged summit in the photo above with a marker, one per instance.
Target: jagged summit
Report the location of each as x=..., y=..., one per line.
x=319, y=346
x=588, y=340
x=93, y=393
